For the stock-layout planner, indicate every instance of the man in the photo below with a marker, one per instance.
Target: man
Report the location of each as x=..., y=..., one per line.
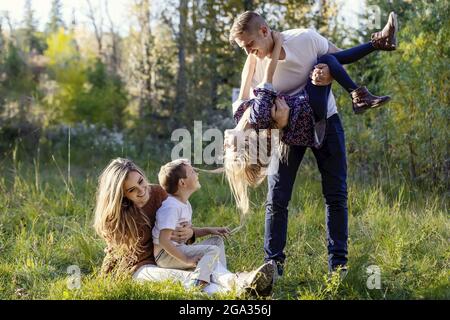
x=299, y=54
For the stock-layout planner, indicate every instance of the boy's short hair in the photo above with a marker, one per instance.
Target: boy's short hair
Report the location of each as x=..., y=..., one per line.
x=248, y=21
x=170, y=174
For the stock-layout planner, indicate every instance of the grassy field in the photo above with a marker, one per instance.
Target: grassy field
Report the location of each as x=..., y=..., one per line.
x=46, y=226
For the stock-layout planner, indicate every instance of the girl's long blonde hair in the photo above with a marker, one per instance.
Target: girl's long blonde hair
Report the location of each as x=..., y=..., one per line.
x=243, y=172
x=115, y=215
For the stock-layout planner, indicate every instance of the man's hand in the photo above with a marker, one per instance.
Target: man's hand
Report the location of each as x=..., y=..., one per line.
x=182, y=233
x=321, y=75
x=280, y=113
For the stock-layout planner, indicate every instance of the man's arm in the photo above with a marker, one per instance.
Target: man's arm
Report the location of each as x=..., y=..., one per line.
x=332, y=48
x=320, y=75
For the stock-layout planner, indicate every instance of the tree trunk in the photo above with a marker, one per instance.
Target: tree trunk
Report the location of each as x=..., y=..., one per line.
x=181, y=90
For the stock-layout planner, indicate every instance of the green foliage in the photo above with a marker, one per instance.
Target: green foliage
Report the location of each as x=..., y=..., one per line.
x=85, y=92
x=409, y=136
x=136, y=86
x=46, y=226
x=56, y=19
x=17, y=77
x=105, y=99
x=67, y=69
x=397, y=155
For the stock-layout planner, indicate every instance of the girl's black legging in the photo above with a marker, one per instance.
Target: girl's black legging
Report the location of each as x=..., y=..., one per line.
x=318, y=95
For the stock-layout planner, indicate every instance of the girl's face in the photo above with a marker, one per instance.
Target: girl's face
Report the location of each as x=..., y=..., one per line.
x=229, y=141
x=135, y=188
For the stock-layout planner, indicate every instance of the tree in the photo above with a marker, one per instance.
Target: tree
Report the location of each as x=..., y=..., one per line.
x=56, y=20
x=113, y=55
x=31, y=42
x=96, y=20
x=181, y=89
x=408, y=137
x=140, y=57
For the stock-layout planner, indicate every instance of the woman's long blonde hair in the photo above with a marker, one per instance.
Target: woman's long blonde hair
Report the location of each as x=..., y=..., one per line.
x=115, y=215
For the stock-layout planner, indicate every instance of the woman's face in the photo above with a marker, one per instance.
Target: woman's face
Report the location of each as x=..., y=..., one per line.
x=135, y=188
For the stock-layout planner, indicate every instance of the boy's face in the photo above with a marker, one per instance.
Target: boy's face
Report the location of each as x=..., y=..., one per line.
x=191, y=182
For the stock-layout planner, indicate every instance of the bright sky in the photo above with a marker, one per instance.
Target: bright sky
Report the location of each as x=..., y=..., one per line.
x=118, y=10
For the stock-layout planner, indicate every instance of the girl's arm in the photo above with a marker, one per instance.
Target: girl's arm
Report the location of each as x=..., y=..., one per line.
x=272, y=66
x=247, y=77
x=258, y=111
x=243, y=123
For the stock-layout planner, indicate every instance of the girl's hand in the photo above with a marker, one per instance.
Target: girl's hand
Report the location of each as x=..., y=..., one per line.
x=247, y=76
x=223, y=232
x=277, y=38
x=252, y=59
x=182, y=233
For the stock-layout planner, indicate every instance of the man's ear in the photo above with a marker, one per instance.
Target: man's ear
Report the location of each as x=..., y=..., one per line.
x=264, y=30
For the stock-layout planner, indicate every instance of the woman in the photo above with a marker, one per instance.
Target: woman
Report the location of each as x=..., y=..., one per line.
x=124, y=217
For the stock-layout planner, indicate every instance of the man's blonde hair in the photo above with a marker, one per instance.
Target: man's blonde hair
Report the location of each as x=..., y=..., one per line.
x=248, y=21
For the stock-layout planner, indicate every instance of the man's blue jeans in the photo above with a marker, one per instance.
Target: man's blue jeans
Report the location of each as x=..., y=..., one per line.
x=332, y=164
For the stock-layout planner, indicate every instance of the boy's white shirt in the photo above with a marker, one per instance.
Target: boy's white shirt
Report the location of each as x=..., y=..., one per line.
x=302, y=47
x=170, y=215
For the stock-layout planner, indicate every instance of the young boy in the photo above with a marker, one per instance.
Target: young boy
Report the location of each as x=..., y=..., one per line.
x=208, y=260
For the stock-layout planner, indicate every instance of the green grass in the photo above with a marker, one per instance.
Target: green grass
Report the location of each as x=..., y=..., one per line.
x=45, y=226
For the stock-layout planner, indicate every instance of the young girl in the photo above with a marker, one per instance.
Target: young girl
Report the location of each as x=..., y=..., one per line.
x=307, y=110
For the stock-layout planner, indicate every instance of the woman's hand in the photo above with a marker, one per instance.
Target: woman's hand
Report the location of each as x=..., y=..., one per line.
x=182, y=233
x=221, y=231
x=280, y=113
